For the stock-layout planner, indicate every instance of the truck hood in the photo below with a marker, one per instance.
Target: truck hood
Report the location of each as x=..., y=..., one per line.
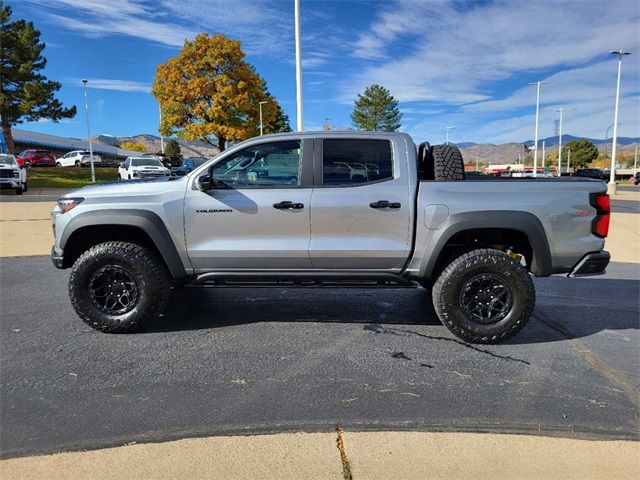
x=116, y=188
x=9, y=165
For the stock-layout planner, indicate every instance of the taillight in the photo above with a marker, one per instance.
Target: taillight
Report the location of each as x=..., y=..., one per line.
x=602, y=204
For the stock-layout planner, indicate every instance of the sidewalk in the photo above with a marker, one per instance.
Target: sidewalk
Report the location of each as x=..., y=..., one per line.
x=365, y=455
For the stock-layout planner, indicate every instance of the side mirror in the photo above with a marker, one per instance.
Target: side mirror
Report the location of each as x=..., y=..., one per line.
x=204, y=183
x=121, y=165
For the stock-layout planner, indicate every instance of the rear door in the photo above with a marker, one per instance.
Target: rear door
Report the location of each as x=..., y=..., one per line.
x=256, y=215
x=361, y=205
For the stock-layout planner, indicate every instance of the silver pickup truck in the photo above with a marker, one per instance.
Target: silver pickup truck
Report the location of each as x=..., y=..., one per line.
x=331, y=208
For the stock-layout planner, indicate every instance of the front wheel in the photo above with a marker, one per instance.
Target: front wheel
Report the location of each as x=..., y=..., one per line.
x=484, y=296
x=24, y=187
x=19, y=190
x=115, y=287
x=58, y=164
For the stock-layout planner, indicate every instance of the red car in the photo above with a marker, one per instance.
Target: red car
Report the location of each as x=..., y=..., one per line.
x=36, y=158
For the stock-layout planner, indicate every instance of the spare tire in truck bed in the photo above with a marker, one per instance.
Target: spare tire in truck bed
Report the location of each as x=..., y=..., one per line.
x=447, y=163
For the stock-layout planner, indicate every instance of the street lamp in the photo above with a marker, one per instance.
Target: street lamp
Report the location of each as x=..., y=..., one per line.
x=86, y=108
x=535, y=140
x=447, y=130
x=161, y=137
x=612, y=179
x=561, y=110
x=296, y=8
x=260, y=105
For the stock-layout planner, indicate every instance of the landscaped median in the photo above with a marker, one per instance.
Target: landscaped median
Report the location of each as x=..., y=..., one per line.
x=68, y=177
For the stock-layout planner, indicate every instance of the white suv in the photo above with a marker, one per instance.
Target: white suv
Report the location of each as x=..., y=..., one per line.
x=12, y=175
x=142, y=167
x=78, y=158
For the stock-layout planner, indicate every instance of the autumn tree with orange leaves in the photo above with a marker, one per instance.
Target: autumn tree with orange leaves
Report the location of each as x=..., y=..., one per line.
x=210, y=93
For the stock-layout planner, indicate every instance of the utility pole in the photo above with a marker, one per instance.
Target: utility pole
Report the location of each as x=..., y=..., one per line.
x=446, y=129
x=86, y=108
x=611, y=188
x=161, y=137
x=561, y=110
x=260, y=105
x=635, y=161
x=535, y=141
x=568, y=159
x=298, y=66
x=543, y=157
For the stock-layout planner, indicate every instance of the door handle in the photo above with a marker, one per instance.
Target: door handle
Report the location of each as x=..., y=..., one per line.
x=385, y=204
x=287, y=205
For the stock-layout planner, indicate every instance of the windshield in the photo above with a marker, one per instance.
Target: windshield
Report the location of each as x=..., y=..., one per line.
x=145, y=162
x=7, y=159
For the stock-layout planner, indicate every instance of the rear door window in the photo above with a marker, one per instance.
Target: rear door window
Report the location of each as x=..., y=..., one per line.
x=356, y=161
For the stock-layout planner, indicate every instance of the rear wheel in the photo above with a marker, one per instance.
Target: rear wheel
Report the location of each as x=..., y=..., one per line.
x=77, y=164
x=58, y=164
x=116, y=287
x=447, y=163
x=484, y=296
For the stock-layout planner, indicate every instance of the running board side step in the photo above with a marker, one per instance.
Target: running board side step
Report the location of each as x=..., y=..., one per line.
x=303, y=279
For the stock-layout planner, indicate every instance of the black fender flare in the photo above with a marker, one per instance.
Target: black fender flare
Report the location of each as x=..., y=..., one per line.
x=148, y=222
x=524, y=222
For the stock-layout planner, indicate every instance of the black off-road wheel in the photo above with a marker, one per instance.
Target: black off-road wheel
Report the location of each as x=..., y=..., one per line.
x=116, y=287
x=19, y=190
x=447, y=163
x=484, y=296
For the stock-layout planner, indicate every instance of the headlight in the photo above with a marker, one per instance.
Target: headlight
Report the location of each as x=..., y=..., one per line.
x=66, y=204
x=16, y=174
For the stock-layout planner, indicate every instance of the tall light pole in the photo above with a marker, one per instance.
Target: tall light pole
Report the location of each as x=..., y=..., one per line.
x=161, y=137
x=635, y=161
x=300, y=126
x=535, y=140
x=86, y=108
x=260, y=105
x=561, y=110
x=447, y=130
x=612, y=179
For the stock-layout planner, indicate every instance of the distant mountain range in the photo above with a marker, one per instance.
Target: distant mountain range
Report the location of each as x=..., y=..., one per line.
x=153, y=144
x=553, y=141
x=484, y=152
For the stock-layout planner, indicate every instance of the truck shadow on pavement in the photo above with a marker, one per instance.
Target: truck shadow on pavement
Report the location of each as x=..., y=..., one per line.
x=566, y=309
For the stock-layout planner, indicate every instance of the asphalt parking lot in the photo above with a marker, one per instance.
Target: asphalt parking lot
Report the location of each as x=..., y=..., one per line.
x=237, y=360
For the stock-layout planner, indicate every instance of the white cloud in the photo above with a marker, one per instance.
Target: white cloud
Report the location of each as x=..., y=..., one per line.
x=462, y=56
x=114, y=84
x=173, y=21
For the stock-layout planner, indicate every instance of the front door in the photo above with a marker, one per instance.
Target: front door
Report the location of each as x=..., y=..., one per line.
x=256, y=215
x=362, y=205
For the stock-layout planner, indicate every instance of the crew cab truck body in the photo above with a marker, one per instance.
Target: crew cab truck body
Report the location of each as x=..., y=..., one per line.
x=285, y=209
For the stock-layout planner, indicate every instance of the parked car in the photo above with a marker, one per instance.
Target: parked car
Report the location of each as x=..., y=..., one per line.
x=36, y=158
x=636, y=178
x=12, y=174
x=273, y=210
x=142, y=167
x=78, y=158
x=188, y=164
x=590, y=173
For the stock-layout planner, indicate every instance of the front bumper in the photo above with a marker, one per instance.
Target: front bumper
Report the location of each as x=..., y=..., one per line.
x=593, y=263
x=57, y=257
x=10, y=183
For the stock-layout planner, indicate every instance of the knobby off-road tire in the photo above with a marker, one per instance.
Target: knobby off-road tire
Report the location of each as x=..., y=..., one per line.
x=484, y=296
x=447, y=163
x=115, y=287
x=19, y=190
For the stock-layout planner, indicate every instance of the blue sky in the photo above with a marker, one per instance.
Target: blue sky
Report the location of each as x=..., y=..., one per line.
x=462, y=63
